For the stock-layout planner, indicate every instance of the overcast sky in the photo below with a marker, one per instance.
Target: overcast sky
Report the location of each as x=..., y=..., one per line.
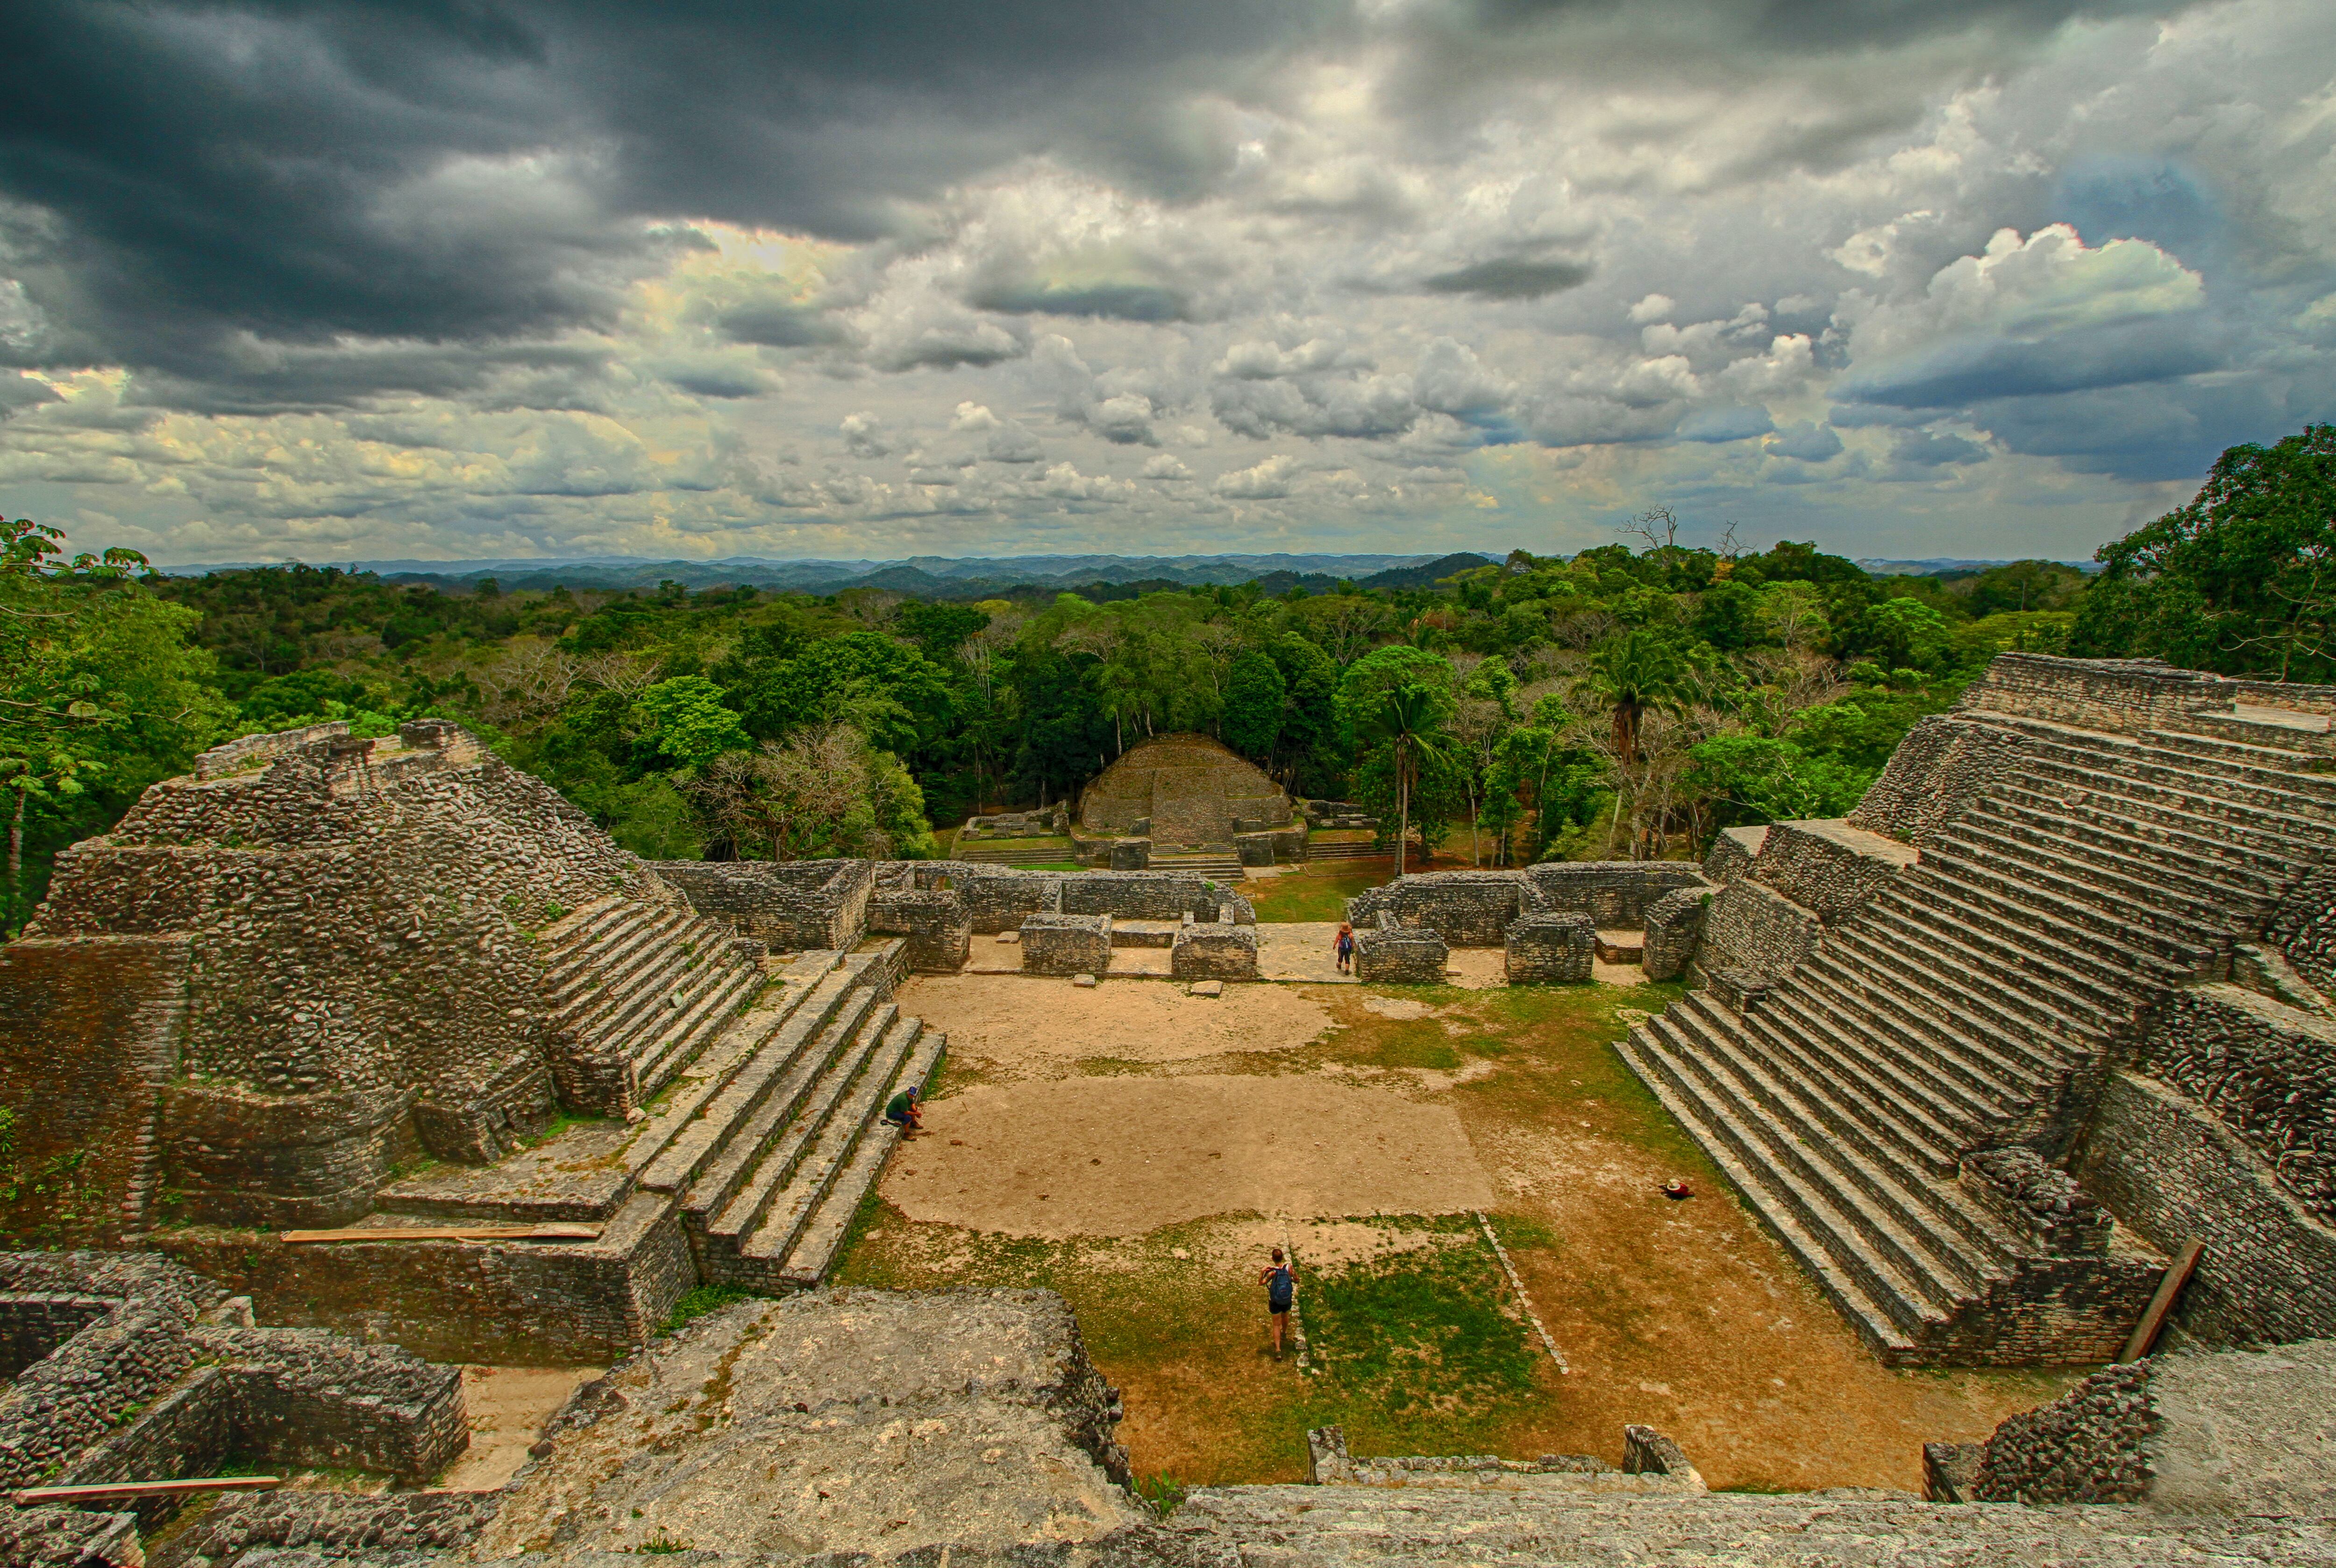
x=470, y=278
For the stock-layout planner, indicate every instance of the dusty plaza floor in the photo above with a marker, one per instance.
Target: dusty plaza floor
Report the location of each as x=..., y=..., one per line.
x=1139, y=1149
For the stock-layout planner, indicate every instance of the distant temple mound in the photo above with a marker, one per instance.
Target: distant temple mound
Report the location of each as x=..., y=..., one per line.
x=1186, y=792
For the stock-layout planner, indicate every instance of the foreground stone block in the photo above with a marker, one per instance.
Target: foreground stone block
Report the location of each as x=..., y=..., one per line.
x=1056, y=944
x=939, y=926
x=1674, y=931
x=1551, y=950
x=1389, y=954
x=1222, y=951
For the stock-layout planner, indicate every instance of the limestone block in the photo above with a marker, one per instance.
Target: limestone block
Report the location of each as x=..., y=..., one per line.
x=1130, y=855
x=1752, y=926
x=1389, y=954
x=1218, y=951
x=1828, y=867
x=1053, y=944
x=1272, y=846
x=1552, y=949
x=1674, y=929
x=1732, y=852
x=2042, y=1206
x=937, y=924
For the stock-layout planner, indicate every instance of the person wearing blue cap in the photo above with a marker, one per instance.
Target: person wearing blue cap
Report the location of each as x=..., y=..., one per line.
x=904, y=1112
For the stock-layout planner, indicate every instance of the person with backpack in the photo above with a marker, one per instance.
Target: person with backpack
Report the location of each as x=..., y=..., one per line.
x=1344, y=947
x=1280, y=1282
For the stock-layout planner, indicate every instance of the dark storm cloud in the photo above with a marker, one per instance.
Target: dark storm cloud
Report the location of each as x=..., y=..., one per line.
x=458, y=172
x=1830, y=24
x=1510, y=277
x=1122, y=302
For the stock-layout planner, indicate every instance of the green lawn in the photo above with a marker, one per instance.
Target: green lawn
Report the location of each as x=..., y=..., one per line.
x=1310, y=894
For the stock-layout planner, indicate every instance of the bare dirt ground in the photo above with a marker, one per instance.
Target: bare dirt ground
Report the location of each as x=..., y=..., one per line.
x=508, y=1407
x=1119, y=1156
x=1685, y=1316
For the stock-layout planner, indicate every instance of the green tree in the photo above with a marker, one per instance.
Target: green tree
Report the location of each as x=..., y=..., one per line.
x=1409, y=723
x=684, y=718
x=1633, y=672
x=2240, y=581
x=1255, y=693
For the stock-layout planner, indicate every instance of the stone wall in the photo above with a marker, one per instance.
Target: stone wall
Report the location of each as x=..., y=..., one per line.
x=1827, y=867
x=2089, y=1446
x=1216, y=950
x=1947, y=762
x=1387, y=953
x=1751, y=926
x=465, y=1301
x=1614, y=894
x=2172, y=1170
x=1731, y=854
x=937, y=923
x=1054, y=944
x=91, y=1030
x=2302, y=927
x=1674, y=932
x=1550, y=948
x=331, y=1527
x=1466, y=909
x=2123, y=697
x=794, y=906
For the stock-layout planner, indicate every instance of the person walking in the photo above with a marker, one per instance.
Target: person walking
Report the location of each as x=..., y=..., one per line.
x=1344, y=946
x=1280, y=1282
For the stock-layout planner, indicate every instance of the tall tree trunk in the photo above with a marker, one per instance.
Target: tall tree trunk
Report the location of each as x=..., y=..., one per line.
x=1475, y=858
x=16, y=861
x=1402, y=809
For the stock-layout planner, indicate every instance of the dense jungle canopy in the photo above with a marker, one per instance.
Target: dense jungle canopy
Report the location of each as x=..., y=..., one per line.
x=1627, y=701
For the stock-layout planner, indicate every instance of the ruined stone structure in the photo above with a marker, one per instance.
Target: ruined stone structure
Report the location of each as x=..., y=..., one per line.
x=1546, y=917
x=328, y=981
x=1190, y=802
x=127, y=1367
x=2039, y=1010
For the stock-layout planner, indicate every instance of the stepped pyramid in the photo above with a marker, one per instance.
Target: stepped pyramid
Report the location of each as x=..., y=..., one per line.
x=1954, y=971
x=397, y=985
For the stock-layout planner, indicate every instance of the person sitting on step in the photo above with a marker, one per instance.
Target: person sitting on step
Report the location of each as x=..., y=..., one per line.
x=903, y=1111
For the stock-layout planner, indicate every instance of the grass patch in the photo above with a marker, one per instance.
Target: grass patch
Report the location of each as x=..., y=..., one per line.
x=699, y=1300
x=1310, y=895
x=1420, y=1339
x=1165, y=1493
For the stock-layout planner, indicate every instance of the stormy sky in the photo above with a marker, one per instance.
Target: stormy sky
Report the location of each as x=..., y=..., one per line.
x=489, y=277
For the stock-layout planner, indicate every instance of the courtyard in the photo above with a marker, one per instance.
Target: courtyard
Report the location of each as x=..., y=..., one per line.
x=1139, y=1150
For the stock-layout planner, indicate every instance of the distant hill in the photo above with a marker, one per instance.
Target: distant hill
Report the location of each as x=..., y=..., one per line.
x=935, y=577
x=1944, y=566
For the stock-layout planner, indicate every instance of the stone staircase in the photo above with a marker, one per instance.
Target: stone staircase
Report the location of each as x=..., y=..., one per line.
x=636, y=990
x=765, y=1138
x=1218, y=863
x=1356, y=850
x=1972, y=1003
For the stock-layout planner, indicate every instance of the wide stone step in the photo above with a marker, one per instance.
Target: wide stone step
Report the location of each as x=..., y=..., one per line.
x=719, y=1115
x=2228, y=870
x=2261, y=756
x=764, y=1251
x=2166, y=773
x=1984, y=834
x=670, y=973
x=1838, y=1238
x=2018, y=946
x=2008, y=992
x=727, y=1228
x=1902, y=982
x=678, y=1124
x=1860, y=1072
x=2018, y=890
x=2230, y=852
x=662, y=1057
x=2078, y=777
x=814, y=1252
x=1847, y=1292
x=1895, y=1204
x=733, y=1167
x=1954, y=1052
x=618, y=947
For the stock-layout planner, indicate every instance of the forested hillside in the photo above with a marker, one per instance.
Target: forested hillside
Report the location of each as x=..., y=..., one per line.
x=1624, y=702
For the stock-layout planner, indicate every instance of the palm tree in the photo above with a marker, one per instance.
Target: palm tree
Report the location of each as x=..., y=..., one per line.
x=1411, y=719
x=1634, y=672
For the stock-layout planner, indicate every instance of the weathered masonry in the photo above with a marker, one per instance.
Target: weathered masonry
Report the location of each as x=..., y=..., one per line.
x=2048, y=1004
x=338, y=983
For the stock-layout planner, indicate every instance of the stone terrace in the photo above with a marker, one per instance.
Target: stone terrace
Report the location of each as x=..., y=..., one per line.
x=1902, y=1013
